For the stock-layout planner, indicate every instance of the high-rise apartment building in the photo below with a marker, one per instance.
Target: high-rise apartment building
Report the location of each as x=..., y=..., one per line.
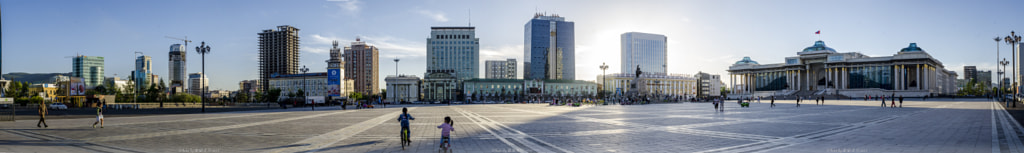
x=498, y=69
x=197, y=82
x=454, y=49
x=279, y=53
x=89, y=68
x=970, y=73
x=143, y=72
x=644, y=50
x=361, y=67
x=176, y=68
x=549, y=50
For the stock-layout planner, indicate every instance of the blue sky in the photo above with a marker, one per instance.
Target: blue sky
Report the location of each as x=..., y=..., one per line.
x=704, y=36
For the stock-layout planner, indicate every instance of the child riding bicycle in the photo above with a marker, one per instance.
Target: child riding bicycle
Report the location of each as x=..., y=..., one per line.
x=404, y=118
x=446, y=129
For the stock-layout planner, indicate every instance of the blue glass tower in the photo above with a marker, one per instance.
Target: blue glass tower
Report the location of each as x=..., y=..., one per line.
x=549, y=49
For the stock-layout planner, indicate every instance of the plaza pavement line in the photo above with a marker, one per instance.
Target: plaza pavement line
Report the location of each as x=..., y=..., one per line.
x=1010, y=128
x=769, y=145
x=316, y=143
x=522, y=141
x=995, y=132
x=178, y=132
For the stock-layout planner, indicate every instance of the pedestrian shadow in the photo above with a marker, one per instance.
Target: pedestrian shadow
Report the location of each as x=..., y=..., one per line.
x=345, y=146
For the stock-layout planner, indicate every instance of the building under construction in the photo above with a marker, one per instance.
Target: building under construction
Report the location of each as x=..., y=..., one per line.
x=279, y=53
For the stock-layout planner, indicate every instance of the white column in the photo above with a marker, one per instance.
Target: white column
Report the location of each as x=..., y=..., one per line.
x=899, y=78
x=919, y=78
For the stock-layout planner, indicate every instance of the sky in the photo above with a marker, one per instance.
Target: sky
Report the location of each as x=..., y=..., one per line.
x=39, y=36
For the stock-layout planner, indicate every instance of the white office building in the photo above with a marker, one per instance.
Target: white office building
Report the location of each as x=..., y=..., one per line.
x=499, y=69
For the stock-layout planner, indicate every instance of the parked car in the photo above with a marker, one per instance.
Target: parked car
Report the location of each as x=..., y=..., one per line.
x=59, y=106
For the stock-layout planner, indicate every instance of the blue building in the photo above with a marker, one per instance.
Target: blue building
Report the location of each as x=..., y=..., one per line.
x=549, y=49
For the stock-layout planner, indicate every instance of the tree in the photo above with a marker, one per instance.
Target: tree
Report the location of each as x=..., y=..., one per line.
x=259, y=96
x=129, y=92
x=384, y=93
x=242, y=97
x=13, y=89
x=355, y=96
x=273, y=95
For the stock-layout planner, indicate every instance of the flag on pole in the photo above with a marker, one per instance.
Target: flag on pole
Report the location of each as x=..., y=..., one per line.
x=817, y=32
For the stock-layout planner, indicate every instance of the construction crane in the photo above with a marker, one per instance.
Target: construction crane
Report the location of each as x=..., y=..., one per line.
x=185, y=40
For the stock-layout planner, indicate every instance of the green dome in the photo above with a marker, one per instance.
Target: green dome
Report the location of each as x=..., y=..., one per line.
x=818, y=46
x=746, y=60
x=912, y=48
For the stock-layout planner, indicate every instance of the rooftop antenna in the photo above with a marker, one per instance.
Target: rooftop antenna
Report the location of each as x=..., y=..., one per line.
x=470, y=11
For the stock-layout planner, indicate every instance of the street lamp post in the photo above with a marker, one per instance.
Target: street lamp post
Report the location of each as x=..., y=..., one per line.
x=203, y=49
x=304, y=70
x=1001, y=88
x=395, y=93
x=604, y=79
x=999, y=73
x=1013, y=39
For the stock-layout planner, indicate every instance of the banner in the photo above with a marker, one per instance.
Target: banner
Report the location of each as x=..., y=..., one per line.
x=334, y=82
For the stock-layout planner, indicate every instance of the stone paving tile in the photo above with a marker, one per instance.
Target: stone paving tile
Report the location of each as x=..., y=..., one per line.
x=671, y=121
x=943, y=125
x=769, y=129
x=647, y=141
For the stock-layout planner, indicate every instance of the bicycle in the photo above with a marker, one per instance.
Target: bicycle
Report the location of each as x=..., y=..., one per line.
x=405, y=138
x=446, y=145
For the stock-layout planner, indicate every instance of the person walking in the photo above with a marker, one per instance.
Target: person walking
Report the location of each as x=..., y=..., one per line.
x=901, y=101
x=883, y=102
x=798, y=101
x=816, y=100
x=773, y=101
x=99, y=117
x=893, y=103
x=822, y=100
x=42, y=115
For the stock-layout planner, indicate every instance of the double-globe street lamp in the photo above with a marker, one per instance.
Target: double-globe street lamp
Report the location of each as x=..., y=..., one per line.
x=604, y=80
x=304, y=70
x=1001, y=88
x=999, y=73
x=203, y=49
x=1013, y=39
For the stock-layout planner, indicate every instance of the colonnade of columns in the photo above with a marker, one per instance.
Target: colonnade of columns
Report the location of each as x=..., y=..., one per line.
x=923, y=74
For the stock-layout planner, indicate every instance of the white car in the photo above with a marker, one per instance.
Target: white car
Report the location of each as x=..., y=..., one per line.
x=59, y=106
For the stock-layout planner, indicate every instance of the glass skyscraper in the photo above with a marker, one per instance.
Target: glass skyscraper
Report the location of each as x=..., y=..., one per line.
x=89, y=68
x=645, y=50
x=177, y=67
x=143, y=70
x=549, y=49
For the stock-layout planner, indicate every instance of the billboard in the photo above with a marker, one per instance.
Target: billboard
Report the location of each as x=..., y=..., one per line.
x=78, y=87
x=334, y=82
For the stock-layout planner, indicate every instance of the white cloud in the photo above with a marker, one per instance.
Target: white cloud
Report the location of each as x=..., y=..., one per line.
x=389, y=46
x=352, y=6
x=501, y=53
x=436, y=16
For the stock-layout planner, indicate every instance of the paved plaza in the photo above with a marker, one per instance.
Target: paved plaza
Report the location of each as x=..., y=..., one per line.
x=941, y=125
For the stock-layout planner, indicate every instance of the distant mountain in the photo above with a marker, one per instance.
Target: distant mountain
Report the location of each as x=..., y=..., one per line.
x=32, y=77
